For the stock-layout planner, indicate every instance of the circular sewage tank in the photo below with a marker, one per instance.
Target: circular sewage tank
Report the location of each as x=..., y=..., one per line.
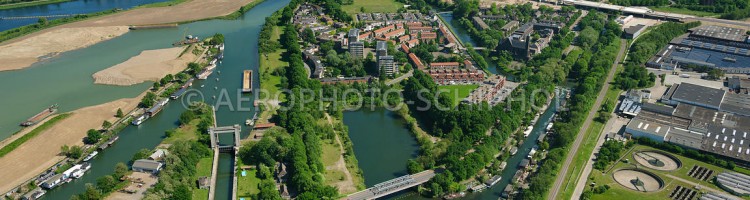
x=638, y=180
x=657, y=160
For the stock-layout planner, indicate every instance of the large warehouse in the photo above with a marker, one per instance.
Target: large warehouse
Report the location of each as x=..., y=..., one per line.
x=697, y=120
x=719, y=47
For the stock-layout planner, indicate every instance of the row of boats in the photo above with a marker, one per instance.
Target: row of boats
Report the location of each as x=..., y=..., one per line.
x=74, y=172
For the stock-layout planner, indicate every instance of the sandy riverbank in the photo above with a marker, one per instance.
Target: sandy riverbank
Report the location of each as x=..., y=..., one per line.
x=41, y=152
x=24, y=51
x=149, y=65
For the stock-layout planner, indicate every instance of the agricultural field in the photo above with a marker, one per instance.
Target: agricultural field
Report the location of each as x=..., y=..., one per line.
x=381, y=6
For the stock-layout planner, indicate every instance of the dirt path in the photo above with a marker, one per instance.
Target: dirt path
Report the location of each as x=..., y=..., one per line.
x=555, y=190
x=42, y=151
x=24, y=51
x=347, y=185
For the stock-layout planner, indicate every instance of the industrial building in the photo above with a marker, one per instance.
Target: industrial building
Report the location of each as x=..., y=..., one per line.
x=712, y=98
x=633, y=31
x=145, y=165
x=712, y=46
x=736, y=183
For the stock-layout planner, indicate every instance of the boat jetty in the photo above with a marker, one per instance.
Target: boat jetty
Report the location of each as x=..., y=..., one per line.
x=182, y=89
x=40, y=116
x=247, y=81
x=151, y=112
x=188, y=40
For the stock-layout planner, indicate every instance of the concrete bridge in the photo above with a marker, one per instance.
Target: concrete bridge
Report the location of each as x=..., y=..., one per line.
x=392, y=186
x=36, y=17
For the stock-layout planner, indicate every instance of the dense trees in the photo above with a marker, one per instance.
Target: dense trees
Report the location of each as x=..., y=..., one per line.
x=715, y=6
x=610, y=151
x=640, y=2
x=590, y=72
x=92, y=136
x=648, y=44
x=148, y=100
x=74, y=152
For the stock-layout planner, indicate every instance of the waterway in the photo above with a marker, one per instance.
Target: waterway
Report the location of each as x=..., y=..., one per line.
x=65, y=8
x=71, y=72
x=463, y=35
x=494, y=192
x=382, y=144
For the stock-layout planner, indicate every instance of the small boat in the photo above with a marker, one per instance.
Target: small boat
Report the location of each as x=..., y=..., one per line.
x=203, y=85
x=90, y=156
x=249, y=122
x=214, y=96
x=141, y=119
x=217, y=79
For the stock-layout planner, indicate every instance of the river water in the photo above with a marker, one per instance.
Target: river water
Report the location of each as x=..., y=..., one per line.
x=71, y=72
x=65, y=8
x=382, y=144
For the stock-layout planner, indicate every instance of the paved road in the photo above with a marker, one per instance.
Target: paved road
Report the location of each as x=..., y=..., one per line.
x=400, y=78
x=723, y=21
x=590, y=163
x=555, y=190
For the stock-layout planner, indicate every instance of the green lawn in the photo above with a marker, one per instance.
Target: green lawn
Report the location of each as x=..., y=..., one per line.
x=203, y=169
x=247, y=185
x=31, y=134
x=683, y=11
x=187, y=132
x=458, y=92
x=381, y=6
x=331, y=153
x=584, y=151
x=619, y=192
x=271, y=84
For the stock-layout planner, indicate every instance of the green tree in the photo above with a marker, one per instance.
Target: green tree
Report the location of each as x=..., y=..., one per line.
x=106, y=124
x=186, y=117
x=194, y=67
x=91, y=193
x=42, y=21
x=93, y=136
x=156, y=85
x=75, y=152
x=120, y=170
x=119, y=113
x=218, y=38
x=106, y=183
x=142, y=154
x=148, y=100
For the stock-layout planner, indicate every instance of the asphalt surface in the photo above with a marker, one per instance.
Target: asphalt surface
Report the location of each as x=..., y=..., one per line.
x=555, y=190
x=418, y=178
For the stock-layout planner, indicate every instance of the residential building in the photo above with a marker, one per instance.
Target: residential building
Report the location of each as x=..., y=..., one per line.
x=416, y=63
x=444, y=65
x=381, y=31
x=479, y=23
x=395, y=33
x=381, y=49
x=357, y=49
x=509, y=26
x=386, y=64
x=354, y=35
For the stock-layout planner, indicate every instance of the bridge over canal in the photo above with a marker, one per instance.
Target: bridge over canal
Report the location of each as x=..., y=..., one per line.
x=392, y=186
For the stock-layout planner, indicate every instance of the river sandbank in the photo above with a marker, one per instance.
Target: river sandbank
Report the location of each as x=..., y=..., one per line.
x=24, y=51
x=39, y=153
x=149, y=65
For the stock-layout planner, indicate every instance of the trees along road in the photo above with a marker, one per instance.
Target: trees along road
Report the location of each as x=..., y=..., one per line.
x=555, y=190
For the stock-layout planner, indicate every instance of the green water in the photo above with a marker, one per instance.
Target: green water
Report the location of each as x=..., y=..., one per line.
x=66, y=80
x=382, y=144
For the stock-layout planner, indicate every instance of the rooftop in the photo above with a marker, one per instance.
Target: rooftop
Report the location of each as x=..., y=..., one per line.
x=147, y=164
x=738, y=183
x=720, y=32
x=701, y=95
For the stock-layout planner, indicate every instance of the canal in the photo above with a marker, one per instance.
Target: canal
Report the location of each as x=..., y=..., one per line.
x=493, y=193
x=382, y=144
x=464, y=37
x=65, y=8
x=241, y=53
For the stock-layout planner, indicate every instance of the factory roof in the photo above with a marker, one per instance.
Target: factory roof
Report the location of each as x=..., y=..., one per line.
x=634, y=29
x=648, y=126
x=720, y=32
x=696, y=94
x=736, y=103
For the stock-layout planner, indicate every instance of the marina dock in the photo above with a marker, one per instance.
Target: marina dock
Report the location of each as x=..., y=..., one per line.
x=247, y=81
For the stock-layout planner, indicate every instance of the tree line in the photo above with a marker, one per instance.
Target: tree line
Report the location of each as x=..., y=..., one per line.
x=589, y=72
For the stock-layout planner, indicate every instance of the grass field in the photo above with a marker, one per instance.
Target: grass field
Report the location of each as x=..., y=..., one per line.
x=269, y=83
x=683, y=11
x=247, y=185
x=203, y=169
x=187, y=132
x=617, y=191
x=458, y=92
x=381, y=6
x=16, y=143
x=588, y=145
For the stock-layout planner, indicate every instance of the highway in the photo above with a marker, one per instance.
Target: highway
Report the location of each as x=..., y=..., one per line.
x=555, y=190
